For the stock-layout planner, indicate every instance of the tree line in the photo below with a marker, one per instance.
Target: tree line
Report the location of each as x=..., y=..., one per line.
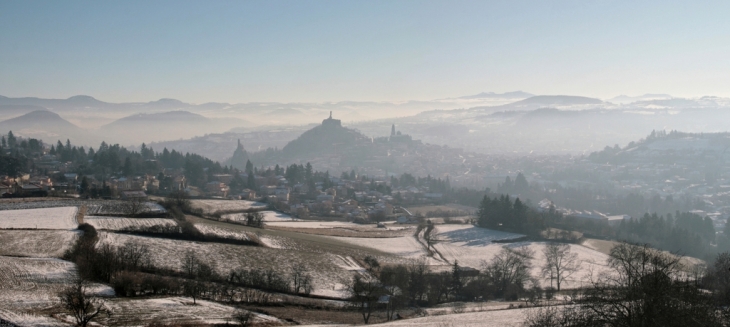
x=502, y=213
x=390, y=288
x=646, y=288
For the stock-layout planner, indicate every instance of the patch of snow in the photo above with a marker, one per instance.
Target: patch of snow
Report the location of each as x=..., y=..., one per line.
x=32, y=283
x=221, y=232
x=348, y=263
x=30, y=320
x=46, y=218
x=37, y=243
x=212, y=206
x=120, y=223
x=271, y=242
x=167, y=253
x=178, y=310
x=493, y=318
x=405, y=247
x=315, y=224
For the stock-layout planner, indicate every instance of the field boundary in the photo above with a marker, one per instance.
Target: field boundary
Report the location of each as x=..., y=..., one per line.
x=80, y=213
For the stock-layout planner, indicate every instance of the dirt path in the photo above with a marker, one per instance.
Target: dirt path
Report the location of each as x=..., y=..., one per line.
x=430, y=251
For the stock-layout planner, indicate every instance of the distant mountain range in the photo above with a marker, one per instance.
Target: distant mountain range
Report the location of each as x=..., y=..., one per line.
x=168, y=125
x=492, y=95
x=623, y=99
x=511, y=120
x=134, y=129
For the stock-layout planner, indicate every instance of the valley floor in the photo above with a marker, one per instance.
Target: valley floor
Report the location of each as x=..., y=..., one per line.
x=35, y=237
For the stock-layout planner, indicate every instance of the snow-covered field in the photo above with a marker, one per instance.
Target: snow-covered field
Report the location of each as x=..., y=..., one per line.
x=492, y=318
x=269, y=216
x=495, y=318
x=36, y=243
x=30, y=320
x=47, y=218
x=120, y=223
x=32, y=283
x=316, y=224
x=94, y=207
x=405, y=247
x=472, y=234
x=178, y=310
x=469, y=245
x=38, y=203
x=211, y=206
x=116, y=207
x=325, y=268
x=221, y=232
x=472, y=246
x=602, y=246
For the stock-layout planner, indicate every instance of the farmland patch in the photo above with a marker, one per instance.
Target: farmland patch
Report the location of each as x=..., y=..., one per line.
x=177, y=310
x=32, y=283
x=213, y=206
x=36, y=243
x=121, y=223
x=168, y=253
x=46, y=218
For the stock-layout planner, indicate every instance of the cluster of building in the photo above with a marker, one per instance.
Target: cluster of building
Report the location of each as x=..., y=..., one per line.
x=692, y=170
x=350, y=199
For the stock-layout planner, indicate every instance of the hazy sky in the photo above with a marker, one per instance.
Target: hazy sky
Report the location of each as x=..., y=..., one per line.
x=243, y=51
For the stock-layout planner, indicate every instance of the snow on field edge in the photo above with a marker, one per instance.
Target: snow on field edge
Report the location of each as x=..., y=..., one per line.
x=120, y=223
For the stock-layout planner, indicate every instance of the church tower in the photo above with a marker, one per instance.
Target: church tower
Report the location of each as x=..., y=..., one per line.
x=330, y=122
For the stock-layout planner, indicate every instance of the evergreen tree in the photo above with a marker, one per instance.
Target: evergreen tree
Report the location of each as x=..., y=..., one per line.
x=251, y=181
x=521, y=185
x=11, y=140
x=456, y=280
x=249, y=167
x=127, y=170
x=84, y=185
x=308, y=171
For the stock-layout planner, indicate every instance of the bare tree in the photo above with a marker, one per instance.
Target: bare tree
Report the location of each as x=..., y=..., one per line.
x=242, y=317
x=372, y=263
x=647, y=287
x=192, y=288
x=364, y=295
x=179, y=199
x=509, y=270
x=395, y=279
x=82, y=307
x=417, y=275
x=560, y=263
x=255, y=219
x=135, y=206
x=133, y=255
x=718, y=278
x=301, y=279
x=190, y=263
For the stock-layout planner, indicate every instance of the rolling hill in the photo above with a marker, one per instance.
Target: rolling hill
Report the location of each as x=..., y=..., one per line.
x=43, y=124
